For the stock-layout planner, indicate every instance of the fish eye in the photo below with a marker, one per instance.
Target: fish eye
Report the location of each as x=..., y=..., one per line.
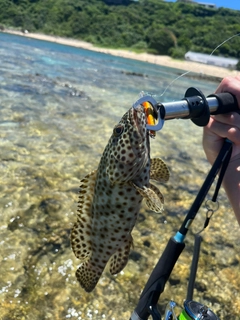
x=118, y=130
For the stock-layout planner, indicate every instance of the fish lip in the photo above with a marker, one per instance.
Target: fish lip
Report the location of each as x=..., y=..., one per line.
x=135, y=111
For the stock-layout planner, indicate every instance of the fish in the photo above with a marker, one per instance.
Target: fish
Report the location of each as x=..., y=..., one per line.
x=110, y=199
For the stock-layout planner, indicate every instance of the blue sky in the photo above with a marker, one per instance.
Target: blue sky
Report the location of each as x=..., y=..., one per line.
x=232, y=4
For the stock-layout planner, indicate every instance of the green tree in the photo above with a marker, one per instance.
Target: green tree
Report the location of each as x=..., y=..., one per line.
x=160, y=40
x=152, y=25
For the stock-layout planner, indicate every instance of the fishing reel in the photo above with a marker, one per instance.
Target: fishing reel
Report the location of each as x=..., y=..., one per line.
x=192, y=310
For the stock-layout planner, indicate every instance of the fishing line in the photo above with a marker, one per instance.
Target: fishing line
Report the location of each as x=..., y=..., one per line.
x=187, y=72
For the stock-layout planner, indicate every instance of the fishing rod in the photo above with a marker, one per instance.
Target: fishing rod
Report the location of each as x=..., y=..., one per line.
x=198, y=108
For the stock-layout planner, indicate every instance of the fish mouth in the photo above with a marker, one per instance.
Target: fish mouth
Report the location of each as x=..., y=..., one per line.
x=140, y=120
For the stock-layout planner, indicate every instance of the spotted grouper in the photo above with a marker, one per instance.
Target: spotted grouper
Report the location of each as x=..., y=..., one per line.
x=111, y=196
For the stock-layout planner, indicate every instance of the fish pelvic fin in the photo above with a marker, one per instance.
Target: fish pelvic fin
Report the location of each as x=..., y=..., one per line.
x=159, y=170
x=88, y=276
x=154, y=198
x=120, y=258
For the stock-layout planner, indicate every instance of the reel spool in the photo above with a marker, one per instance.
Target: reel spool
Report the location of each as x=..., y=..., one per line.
x=192, y=311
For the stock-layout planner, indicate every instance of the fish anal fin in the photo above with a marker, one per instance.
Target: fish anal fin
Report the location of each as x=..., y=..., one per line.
x=88, y=276
x=159, y=170
x=120, y=258
x=154, y=198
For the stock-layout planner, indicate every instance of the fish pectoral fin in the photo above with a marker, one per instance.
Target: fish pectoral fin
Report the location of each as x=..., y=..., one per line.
x=120, y=258
x=159, y=170
x=154, y=198
x=80, y=242
x=88, y=276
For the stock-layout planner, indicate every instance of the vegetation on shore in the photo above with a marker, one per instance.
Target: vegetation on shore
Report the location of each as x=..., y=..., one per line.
x=153, y=26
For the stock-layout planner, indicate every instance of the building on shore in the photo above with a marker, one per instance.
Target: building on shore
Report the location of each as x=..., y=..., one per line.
x=230, y=63
x=202, y=4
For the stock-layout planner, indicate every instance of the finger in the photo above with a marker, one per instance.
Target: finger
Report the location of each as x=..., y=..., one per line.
x=225, y=131
x=232, y=85
x=229, y=83
x=232, y=119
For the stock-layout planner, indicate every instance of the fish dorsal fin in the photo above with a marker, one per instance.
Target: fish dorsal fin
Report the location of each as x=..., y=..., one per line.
x=154, y=198
x=81, y=232
x=159, y=170
x=120, y=258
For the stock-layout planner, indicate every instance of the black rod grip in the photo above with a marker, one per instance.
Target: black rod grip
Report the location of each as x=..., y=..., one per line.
x=227, y=102
x=158, y=278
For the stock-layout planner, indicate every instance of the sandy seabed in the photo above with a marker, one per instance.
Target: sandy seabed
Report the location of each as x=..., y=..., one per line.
x=166, y=61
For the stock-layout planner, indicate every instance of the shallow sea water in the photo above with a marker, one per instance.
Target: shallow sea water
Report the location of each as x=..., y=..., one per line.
x=58, y=106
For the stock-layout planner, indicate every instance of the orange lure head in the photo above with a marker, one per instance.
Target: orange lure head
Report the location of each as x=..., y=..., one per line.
x=151, y=120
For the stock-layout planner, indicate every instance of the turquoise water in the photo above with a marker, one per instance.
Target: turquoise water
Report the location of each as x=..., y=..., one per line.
x=58, y=105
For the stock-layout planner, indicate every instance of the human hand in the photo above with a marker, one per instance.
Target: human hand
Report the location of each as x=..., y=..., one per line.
x=225, y=125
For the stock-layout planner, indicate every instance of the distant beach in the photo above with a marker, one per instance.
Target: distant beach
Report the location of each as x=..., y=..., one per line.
x=202, y=69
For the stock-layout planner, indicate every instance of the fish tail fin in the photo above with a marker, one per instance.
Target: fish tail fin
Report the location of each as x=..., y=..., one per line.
x=88, y=275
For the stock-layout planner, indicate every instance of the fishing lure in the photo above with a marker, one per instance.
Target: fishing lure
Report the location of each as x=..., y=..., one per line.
x=150, y=117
